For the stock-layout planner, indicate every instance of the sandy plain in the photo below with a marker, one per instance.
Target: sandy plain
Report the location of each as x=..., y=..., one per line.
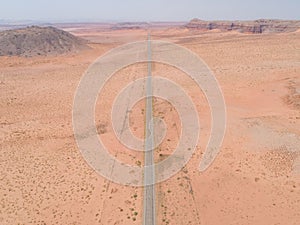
x=254, y=180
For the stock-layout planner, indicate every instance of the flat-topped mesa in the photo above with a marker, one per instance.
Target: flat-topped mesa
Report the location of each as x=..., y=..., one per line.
x=256, y=26
x=33, y=41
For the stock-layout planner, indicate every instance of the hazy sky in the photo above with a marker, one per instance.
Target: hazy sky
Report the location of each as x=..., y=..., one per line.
x=144, y=10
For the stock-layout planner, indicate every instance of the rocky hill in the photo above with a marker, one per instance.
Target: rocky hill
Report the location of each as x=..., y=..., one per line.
x=256, y=26
x=33, y=41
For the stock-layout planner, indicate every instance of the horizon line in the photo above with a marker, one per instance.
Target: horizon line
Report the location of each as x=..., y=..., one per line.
x=54, y=21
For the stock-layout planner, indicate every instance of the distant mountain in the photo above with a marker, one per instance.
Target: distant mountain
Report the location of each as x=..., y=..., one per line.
x=130, y=26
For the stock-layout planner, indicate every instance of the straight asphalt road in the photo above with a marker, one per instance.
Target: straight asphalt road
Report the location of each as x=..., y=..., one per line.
x=149, y=174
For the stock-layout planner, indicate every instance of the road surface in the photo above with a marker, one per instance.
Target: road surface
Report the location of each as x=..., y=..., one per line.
x=149, y=175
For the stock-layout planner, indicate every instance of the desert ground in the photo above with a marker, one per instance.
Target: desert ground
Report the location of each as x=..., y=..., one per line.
x=255, y=179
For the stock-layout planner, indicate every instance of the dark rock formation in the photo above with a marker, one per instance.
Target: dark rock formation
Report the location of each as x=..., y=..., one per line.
x=33, y=41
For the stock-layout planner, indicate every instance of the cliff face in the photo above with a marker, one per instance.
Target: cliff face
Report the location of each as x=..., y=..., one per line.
x=256, y=26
